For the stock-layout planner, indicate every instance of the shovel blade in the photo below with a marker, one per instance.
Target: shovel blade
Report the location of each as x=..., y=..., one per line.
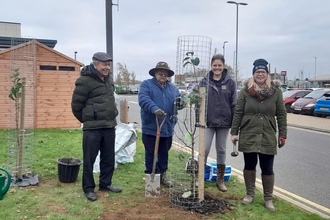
x=152, y=187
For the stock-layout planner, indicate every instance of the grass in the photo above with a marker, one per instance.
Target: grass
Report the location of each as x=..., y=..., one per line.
x=52, y=199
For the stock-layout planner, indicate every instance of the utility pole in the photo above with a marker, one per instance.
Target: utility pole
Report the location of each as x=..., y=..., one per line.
x=315, y=67
x=224, y=48
x=109, y=33
x=237, y=4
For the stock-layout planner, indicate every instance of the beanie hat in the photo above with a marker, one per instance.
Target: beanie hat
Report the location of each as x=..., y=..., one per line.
x=260, y=64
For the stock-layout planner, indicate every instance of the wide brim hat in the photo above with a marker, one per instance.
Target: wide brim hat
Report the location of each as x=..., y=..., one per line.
x=161, y=66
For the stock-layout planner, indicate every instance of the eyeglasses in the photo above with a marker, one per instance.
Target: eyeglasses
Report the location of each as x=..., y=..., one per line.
x=162, y=73
x=260, y=72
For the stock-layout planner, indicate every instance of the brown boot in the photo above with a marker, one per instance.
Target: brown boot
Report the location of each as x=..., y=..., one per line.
x=220, y=177
x=250, y=185
x=268, y=185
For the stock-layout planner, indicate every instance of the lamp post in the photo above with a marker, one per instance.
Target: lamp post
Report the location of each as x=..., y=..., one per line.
x=234, y=55
x=223, y=48
x=75, y=55
x=237, y=4
x=315, y=67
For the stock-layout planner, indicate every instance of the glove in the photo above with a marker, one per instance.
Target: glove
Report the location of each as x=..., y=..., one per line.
x=159, y=113
x=178, y=104
x=281, y=141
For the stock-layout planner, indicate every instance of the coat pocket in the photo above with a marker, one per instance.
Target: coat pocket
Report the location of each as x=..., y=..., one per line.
x=88, y=113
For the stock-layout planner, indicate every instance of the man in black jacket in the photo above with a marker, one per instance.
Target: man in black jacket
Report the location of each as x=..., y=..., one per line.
x=93, y=104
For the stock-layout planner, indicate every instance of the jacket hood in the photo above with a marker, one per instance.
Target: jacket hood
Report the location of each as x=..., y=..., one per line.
x=86, y=70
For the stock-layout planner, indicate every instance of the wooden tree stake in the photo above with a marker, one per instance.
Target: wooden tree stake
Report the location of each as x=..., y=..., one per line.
x=201, y=154
x=124, y=111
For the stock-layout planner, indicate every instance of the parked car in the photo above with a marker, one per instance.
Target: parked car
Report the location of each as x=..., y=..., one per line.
x=291, y=96
x=306, y=104
x=185, y=90
x=133, y=89
x=322, y=106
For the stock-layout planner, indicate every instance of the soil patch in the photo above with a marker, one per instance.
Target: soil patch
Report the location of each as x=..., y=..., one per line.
x=161, y=208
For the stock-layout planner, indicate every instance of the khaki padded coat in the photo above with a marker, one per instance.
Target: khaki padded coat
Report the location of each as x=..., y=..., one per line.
x=257, y=122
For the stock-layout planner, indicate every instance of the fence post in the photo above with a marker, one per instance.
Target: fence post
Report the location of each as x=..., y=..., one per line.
x=124, y=111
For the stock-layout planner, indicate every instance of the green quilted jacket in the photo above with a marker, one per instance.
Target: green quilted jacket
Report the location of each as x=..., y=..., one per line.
x=93, y=101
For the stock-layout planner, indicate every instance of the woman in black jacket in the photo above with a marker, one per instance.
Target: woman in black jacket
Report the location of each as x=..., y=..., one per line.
x=221, y=100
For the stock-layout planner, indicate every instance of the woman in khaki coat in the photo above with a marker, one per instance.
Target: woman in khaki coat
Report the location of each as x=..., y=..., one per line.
x=259, y=113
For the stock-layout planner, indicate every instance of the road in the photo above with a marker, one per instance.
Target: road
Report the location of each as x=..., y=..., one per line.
x=301, y=166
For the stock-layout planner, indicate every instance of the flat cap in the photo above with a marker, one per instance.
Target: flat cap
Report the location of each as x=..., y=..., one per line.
x=101, y=56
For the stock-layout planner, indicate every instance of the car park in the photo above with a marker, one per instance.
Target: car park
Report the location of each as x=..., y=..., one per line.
x=290, y=96
x=184, y=90
x=133, y=89
x=322, y=106
x=306, y=104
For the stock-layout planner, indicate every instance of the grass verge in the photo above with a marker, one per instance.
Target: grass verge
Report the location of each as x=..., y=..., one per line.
x=51, y=199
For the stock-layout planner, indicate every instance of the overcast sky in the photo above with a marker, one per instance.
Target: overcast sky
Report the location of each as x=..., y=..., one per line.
x=289, y=34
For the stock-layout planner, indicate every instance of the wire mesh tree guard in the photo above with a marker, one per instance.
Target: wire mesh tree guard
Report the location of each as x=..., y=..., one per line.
x=20, y=139
x=193, y=58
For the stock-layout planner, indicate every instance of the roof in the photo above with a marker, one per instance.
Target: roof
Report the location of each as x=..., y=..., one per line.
x=320, y=78
x=6, y=42
x=41, y=45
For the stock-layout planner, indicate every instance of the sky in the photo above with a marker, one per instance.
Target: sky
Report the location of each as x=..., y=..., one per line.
x=291, y=35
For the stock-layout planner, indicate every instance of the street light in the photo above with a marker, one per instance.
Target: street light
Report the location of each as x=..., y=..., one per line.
x=223, y=48
x=237, y=4
x=75, y=55
x=315, y=68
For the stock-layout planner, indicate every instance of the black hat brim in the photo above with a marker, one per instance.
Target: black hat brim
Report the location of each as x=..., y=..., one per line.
x=152, y=71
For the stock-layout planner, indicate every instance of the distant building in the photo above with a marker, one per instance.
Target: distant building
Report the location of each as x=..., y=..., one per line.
x=10, y=29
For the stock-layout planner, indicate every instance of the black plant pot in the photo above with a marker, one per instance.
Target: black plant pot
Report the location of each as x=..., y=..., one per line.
x=68, y=169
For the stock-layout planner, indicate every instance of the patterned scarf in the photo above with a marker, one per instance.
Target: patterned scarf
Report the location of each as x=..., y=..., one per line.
x=261, y=92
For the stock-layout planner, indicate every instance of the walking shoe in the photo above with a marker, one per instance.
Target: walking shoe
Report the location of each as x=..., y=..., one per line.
x=110, y=188
x=164, y=181
x=91, y=196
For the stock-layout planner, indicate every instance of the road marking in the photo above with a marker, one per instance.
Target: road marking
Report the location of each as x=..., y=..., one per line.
x=279, y=192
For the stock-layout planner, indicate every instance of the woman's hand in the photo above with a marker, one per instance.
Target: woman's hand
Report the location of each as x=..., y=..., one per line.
x=234, y=139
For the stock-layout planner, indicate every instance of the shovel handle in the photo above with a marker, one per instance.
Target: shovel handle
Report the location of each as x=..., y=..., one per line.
x=159, y=127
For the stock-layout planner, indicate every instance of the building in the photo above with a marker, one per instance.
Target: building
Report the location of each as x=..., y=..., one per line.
x=50, y=79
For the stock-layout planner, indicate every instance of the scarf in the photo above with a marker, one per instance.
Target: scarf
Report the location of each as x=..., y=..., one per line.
x=261, y=92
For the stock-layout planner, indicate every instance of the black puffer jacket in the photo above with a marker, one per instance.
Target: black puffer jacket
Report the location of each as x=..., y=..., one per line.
x=93, y=100
x=221, y=100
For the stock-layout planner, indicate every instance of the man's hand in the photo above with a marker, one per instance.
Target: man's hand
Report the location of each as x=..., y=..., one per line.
x=159, y=113
x=281, y=141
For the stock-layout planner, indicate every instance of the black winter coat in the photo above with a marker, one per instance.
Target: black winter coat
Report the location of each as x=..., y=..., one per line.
x=93, y=101
x=221, y=100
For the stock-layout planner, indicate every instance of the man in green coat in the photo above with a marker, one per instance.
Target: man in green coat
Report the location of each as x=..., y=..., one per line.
x=259, y=115
x=93, y=104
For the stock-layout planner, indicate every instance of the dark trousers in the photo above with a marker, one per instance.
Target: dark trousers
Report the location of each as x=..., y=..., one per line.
x=165, y=144
x=266, y=162
x=102, y=140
